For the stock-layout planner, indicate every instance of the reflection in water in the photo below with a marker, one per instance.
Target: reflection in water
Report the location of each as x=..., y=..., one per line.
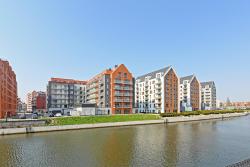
x=207, y=143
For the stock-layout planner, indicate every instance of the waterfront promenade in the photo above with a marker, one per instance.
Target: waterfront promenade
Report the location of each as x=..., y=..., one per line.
x=30, y=129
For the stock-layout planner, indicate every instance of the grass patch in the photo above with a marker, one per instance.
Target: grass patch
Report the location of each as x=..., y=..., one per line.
x=188, y=113
x=99, y=119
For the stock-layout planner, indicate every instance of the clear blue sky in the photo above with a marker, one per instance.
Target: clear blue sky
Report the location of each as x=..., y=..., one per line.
x=78, y=39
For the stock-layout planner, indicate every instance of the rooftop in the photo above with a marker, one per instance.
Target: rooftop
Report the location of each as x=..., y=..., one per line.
x=189, y=78
x=67, y=81
x=153, y=74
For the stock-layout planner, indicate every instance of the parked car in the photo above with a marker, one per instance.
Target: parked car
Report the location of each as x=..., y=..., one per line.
x=58, y=115
x=34, y=116
x=22, y=116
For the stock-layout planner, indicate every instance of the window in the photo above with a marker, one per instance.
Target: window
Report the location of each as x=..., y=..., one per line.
x=158, y=75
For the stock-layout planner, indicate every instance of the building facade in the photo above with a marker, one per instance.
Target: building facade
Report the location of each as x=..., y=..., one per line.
x=65, y=94
x=190, y=93
x=8, y=87
x=21, y=106
x=30, y=100
x=40, y=102
x=36, y=102
x=208, y=95
x=112, y=91
x=157, y=92
x=236, y=105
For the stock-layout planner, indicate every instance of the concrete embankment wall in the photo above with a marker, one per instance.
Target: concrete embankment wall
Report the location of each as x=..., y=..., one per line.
x=117, y=124
x=21, y=123
x=202, y=117
x=74, y=127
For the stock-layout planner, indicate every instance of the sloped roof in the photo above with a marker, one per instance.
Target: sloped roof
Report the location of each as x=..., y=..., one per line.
x=210, y=83
x=189, y=78
x=153, y=74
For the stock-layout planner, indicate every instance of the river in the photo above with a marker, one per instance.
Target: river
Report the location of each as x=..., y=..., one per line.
x=196, y=144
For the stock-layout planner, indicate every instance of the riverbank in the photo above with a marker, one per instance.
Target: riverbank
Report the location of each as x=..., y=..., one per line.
x=10, y=131
x=203, y=117
x=59, y=121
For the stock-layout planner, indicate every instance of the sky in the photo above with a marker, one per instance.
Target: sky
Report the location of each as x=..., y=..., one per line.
x=79, y=39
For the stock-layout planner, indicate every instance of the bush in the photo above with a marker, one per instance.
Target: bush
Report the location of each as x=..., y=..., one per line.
x=174, y=114
x=205, y=112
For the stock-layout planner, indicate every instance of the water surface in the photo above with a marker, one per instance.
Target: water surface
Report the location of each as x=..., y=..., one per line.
x=197, y=144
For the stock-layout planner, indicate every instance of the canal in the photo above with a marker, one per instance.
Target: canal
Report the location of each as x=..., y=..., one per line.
x=197, y=144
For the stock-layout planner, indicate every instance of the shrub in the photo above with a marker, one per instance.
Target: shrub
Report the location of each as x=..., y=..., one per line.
x=205, y=112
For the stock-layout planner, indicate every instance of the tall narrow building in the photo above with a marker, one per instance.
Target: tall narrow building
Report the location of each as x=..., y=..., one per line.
x=190, y=93
x=8, y=87
x=112, y=91
x=208, y=95
x=157, y=92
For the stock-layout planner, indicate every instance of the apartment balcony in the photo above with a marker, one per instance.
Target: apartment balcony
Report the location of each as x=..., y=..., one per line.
x=158, y=107
x=127, y=100
x=158, y=97
x=92, y=91
x=128, y=82
x=127, y=94
x=118, y=88
x=158, y=93
x=118, y=94
x=127, y=88
x=94, y=85
x=93, y=96
x=118, y=81
x=123, y=88
x=158, y=81
x=120, y=106
x=126, y=106
x=158, y=102
x=158, y=87
x=118, y=100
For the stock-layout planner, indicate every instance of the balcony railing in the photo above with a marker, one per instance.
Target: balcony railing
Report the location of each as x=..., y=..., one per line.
x=127, y=94
x=118, y=100
x=118, y=81
x=128, y=82
x=123, y=106
x=118, y=88
x=127, y=100
x=127, y=88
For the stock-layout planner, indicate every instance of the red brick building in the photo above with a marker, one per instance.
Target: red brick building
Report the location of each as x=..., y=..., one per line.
x=41, y=101
x=8, y=90
x=112, y=90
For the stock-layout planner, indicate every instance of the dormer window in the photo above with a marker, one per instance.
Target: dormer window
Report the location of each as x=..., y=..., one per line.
x=158, y=75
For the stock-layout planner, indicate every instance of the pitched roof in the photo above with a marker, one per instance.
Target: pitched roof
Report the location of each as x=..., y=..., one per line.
x=210, y=83
x=153, y=74
x=189, y=78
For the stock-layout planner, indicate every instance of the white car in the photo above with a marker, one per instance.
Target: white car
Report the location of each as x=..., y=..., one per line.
x=58, y=115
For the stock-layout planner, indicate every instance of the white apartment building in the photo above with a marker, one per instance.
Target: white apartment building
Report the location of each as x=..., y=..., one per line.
x=29, y=102
x=190, y=93
x=208, y=95
x=157, y=92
